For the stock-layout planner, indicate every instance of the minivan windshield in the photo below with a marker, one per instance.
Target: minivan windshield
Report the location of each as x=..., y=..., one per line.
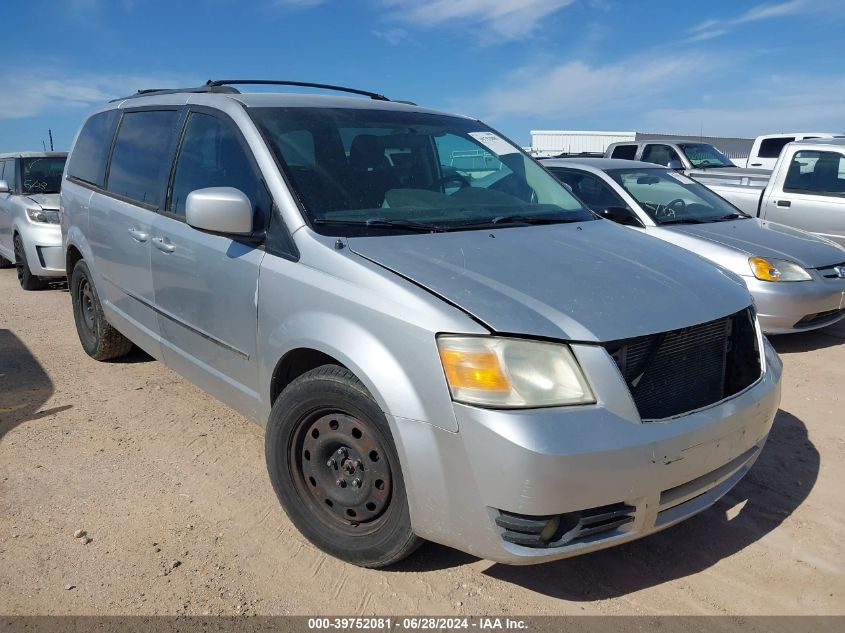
x=359, y=171
x=702, y=155
x=671, y=198
x=42, y=175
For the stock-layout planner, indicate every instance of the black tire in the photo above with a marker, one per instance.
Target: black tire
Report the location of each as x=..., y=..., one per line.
x=366, y=524
x=98, y=337
x=27, y=280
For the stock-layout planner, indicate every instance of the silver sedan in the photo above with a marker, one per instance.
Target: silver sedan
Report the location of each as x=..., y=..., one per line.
x=797, y=279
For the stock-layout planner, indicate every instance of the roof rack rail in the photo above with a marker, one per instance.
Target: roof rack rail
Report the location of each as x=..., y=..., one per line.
x=220, y=83
x=169, y=91
x=224, y=86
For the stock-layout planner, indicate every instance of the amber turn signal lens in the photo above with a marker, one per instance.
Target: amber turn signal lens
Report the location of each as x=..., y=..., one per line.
x=474, y=370
x=763, y=269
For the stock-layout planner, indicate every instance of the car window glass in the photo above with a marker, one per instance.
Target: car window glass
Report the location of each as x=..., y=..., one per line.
x=2, y=169
x=392, y=169
x=91, y=151
x=211, y=155
x=771, y=147
x=10, y=174
x=42, y=174
x=592, y=190
x=139, y=164
x=667, y=196
x=659, y=154
x=627, y=152
x=816, y=172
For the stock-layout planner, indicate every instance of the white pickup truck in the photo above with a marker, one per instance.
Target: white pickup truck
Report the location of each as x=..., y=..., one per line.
x=696, y=159
x=806, y=189
x=766, y=149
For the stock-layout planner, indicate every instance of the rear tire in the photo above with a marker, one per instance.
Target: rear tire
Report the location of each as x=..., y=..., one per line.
x=334, y=467
x=27, y=280
x=100, y=340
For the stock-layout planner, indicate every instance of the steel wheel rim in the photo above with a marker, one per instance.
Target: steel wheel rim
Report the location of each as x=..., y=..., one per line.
x=342, y=471
x=86, y=306
x=20, y=260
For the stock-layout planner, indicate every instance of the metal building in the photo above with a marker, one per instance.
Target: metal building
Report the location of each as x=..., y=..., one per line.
x=552, y=143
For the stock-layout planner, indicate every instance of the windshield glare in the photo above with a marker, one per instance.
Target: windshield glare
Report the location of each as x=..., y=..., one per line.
x=704, y=155
x=358, y=171
x=671, y=198
x=42, y=175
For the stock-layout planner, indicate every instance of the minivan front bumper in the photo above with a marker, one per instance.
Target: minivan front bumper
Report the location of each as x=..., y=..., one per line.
x=535, y=465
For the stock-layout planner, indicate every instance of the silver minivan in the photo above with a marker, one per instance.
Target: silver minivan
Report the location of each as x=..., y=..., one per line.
x=30, y=237
x=441, y=342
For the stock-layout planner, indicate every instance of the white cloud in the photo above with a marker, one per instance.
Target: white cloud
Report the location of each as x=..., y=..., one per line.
x=491, y=19
x=38, y=92
x=774, y=105
x=577, y=88
x=393, y=37
x=296, y=4
x=714, y=28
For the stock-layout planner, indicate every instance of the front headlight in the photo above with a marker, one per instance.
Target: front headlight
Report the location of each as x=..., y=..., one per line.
x=767, y=269
x=512, y=373
x=43, y=217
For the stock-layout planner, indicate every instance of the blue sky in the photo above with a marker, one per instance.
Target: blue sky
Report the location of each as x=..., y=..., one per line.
x=717, y=67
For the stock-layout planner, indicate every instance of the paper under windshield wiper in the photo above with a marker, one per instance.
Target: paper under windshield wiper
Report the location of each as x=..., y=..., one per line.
x=382, y=223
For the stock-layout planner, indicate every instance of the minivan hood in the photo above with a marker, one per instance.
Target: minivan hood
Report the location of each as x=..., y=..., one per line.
x=589, y=281
x=759, y=238
x=47, y=201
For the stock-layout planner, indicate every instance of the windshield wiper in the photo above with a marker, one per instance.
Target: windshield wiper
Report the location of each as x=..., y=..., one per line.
x=503, y=220
x=684, y=221
x=734, y=216
x=383, y=223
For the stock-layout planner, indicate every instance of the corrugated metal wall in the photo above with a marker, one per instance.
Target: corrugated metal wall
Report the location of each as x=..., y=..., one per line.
x=551, y=143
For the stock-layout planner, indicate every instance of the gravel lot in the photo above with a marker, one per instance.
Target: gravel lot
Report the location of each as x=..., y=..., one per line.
x=170, y=487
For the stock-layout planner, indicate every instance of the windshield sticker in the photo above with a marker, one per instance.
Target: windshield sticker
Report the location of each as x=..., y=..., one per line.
x=681, y=178
x=494, y=143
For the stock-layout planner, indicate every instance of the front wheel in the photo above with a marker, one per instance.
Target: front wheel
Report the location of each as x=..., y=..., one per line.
x=334, y=467
x=98, y=337
x=27, y=280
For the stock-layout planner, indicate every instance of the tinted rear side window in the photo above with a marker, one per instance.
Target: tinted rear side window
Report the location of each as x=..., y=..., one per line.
x=89, y=156
x=628, y=152
x=140, y=161
x=770, y=147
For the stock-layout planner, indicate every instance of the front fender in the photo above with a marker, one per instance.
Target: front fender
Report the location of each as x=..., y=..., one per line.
x=380, y=362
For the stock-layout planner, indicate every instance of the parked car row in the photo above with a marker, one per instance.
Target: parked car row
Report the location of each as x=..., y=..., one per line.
x=441, y=339
x=796, y=278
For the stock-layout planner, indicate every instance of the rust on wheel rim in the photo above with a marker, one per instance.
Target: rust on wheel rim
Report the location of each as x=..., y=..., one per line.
x=342, y=468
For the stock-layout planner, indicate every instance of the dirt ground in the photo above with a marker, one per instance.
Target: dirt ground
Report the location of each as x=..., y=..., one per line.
x=171, y=488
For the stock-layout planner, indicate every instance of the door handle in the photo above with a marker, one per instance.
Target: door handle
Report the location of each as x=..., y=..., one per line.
x=784, y=203
x=756, y=164
x=163, y=244
x=138, y=236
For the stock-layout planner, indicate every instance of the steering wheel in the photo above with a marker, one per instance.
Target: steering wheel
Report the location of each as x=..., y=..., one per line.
x=671, y=209
x=462, y=180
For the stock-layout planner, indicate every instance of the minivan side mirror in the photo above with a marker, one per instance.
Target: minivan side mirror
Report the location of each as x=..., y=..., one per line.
x=4, y=187
x=621, y=215
x=219, y=210
x=675, y=164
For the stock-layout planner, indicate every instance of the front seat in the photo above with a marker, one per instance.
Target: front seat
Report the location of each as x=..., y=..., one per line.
x=372, y=174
